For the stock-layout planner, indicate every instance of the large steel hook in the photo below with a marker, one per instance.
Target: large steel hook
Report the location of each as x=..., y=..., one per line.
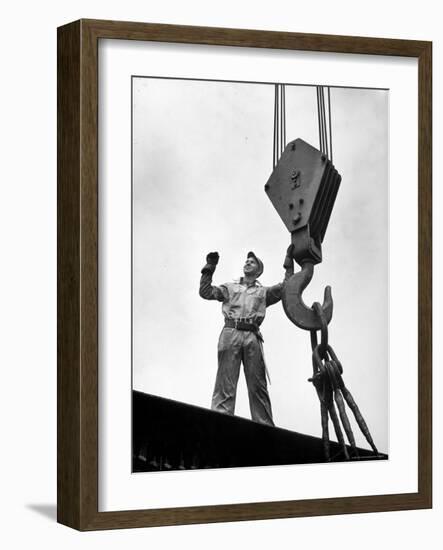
x=295, y=308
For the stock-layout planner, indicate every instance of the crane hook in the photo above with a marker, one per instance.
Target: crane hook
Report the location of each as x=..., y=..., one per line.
x=295, y=308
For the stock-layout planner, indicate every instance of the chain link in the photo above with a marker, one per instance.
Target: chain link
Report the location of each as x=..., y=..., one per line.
x=330, y=387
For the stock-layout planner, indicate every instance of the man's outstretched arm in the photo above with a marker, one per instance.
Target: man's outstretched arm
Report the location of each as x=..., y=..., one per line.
x=274, y=293
x=207, y=290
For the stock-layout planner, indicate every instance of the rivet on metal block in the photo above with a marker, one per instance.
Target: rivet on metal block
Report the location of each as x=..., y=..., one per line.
x=295, y=174
x=297, y=218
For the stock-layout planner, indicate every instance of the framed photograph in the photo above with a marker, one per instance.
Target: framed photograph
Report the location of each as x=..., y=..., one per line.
x=244, y=275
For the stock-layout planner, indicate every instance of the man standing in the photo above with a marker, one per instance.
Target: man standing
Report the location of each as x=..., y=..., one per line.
x=244, y=308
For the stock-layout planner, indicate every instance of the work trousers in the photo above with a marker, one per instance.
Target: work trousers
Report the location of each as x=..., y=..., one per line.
x=236, y=347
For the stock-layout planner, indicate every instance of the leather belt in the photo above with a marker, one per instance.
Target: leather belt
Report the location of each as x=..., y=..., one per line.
x=241, y=325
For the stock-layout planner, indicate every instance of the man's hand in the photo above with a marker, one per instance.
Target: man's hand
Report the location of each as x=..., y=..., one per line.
x=289, y=259
x=211, y=263
x=212, y=258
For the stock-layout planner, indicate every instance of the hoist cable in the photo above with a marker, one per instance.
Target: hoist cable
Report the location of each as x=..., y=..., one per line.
x=330, y=123
x=280, y=133
x=328, y=151
x=277, y=151
x=284, y=117
x=324, y=121
x=274, y=158
x=323, y=115
x=276, y=125
x=279, y=122
x=277, y=146
x=319, y=119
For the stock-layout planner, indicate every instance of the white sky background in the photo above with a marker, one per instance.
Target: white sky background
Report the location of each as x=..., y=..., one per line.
x=202, y=152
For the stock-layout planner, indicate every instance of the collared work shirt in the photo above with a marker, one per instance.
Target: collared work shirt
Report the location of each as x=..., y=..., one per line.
x=241, y=301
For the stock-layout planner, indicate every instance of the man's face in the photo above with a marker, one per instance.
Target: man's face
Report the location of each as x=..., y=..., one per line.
x=251, y=267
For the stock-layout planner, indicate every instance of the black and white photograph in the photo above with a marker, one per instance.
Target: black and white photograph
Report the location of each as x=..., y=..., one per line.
x=260, y=274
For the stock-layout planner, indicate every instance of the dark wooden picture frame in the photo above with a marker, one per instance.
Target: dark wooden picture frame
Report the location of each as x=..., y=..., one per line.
x=77, y=456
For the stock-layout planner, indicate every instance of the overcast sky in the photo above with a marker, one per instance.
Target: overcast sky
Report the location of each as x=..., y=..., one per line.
x=202, y=152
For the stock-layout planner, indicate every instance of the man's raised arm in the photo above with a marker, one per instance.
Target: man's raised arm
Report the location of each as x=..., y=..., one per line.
x=207, y=290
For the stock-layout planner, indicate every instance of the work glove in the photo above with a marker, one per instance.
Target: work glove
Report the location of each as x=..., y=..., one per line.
x=289, y=259
x=211, y=263
x=212, y=258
